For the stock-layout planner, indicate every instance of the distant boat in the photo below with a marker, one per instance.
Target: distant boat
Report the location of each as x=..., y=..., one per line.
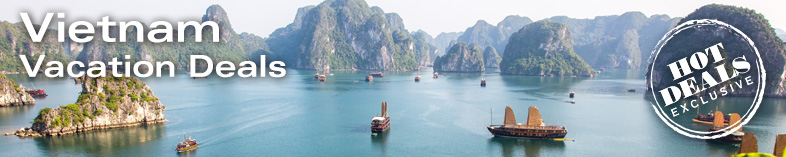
x=631, y=90
x=369, y=78
x=379, y=123
x=323, y=77
x=417, y=78
x=718, y=125
x=572, y=94
x=436, y=75
x=534, y=127
x=483, y=82
x=377, y=74
x=709, y=117
x=36, y=92
x=187, y=145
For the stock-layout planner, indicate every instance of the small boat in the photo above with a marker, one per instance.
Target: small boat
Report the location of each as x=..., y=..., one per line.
x=718, y=127
x=379, y=123
x=36, y=92
x=436, y=75
x=534, y=127
x=572, y=94
x=417, y=78
x=483, y=82
x=631, y=90
x=187, y=145
x=571, y=101
x=369, y=78
x=377, y=74
x=323, y=77
x=709, y=117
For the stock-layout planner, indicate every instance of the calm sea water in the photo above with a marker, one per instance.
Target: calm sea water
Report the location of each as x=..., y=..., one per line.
x=298, y=116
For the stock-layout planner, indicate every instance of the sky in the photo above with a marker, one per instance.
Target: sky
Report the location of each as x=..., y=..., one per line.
x=433, y=16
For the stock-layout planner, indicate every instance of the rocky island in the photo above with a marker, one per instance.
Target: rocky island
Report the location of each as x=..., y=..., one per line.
x=543, y=48
x=460, y=58
x=12, y=94
x=491, y=57
x=104, y=103
x=753, y=24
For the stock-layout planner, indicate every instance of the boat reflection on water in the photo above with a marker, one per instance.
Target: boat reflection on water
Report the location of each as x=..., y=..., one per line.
x=380, y=140
x=104, y=142
x=531, y=147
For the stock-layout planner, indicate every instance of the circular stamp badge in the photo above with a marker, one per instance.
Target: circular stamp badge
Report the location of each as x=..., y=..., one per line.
x=706, y=66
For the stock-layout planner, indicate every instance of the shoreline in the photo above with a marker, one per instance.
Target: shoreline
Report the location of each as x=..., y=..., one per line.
x=28, y=132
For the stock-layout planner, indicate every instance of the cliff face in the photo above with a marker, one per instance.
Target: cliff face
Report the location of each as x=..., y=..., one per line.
x=231, y=46
x=753, y=24
x=425, y=53
x=617, y=41
x=461, y=58
x=12, y=94
x=443, y=41
x=485, y=34
x=491, y=58
x=104, y=103
x=543, y=48
x=15, y=41
x=345, y=34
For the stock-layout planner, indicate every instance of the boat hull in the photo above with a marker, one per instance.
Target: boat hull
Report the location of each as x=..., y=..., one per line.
x=527, y=133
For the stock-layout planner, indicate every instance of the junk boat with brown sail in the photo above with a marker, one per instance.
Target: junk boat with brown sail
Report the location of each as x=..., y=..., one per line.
x=718, y=128
x=709, y=117
x=378, y=74
x=534, y=128
x=187, y=145
x=381, y=123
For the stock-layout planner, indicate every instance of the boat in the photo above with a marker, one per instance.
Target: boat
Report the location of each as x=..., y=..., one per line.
x=187, y=145
x=377, y=74
x=750, y=146
x=719, y=128
x=379, y=123
x=572, y=94
x=483, y=82
x=36, y=92
x=417, y=78
x=631, y=90
x=369, y=78
x=323, y=77
x=436, y=75
x=709, y=117
x=534, y=127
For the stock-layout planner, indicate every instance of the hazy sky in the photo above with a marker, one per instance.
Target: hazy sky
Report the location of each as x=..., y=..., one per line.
x=432, y=16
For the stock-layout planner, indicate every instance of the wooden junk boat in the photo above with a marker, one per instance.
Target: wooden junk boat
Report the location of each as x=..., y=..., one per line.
x=750, y=146
x=709, y=117
x=187, y=145
x=534, y=128
x=36, y=92
x=718, y=127
x=379, y=123
x=377, y=74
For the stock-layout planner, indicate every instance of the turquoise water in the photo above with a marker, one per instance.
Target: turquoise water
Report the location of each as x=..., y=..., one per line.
x=298, y=116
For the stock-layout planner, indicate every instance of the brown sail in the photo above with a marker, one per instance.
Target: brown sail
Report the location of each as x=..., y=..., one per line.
x=509, y=117
x=533, y=118
x=749, y=144
x=718, y=121
x=780, y=144
x=735, y=118
x=384, y=109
